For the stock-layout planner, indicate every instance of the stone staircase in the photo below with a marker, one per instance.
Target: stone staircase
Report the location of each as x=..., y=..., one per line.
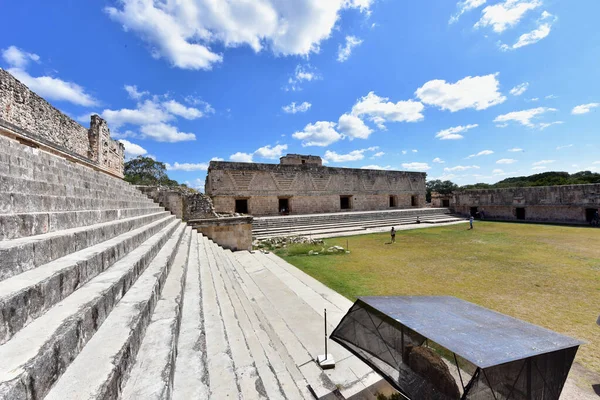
x=345, y=223
x=105, y=295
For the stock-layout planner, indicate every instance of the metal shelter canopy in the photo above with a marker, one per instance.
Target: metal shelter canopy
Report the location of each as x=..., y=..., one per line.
x=483, y=337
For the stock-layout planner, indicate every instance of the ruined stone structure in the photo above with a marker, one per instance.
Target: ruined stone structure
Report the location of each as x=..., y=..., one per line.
x=439, y=200
x=29, y=118
x=301, y=185
x=568, y=204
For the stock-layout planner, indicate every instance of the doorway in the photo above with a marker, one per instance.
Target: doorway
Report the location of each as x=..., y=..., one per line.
x=590, y=213
x=445, y=203
x=475, y=212
x=414, y=201
x=345, y=202
x=393, y=202
x=241, y=206
x=284, y=206
x=520, y=212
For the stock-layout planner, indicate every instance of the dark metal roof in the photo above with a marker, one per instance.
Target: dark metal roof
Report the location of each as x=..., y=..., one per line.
x=479, y=335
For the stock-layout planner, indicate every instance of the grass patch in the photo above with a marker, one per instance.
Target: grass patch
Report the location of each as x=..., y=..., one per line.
x=546, y=275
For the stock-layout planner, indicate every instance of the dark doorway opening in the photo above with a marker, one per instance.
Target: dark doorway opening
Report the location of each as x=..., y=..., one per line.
x=393, y=201
x=446, y=203
x=475, y=212
x=520, y=212
x=345, y=202
x=284, y=206
x=590, y=213
x=414, y=201
x=241, y=206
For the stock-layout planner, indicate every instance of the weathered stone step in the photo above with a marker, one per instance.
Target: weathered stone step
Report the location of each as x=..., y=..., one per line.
x=191, y=372
x=277, y=380
x=151, y=377
x=23, y=254
x=35, y=358
x=26, y=296
x=299, y=362
x=13, y=226
x=100, y=369
x=23, y=203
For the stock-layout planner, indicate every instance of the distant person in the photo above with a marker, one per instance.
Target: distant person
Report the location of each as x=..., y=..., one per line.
x=471, y=222
x=393, y=233
x=418, y=220
x=482, y=214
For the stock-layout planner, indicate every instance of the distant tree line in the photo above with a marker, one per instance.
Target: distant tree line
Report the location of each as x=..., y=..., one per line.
x=147, y=171
x=543, y=179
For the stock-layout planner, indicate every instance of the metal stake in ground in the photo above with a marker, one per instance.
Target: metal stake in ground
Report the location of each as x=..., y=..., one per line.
x=326, y=360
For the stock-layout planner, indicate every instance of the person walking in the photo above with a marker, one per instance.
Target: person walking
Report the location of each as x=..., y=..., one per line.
x=471, y=222
x=393, y=233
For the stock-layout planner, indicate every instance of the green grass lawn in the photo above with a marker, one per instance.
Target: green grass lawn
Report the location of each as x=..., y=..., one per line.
x=546, y=275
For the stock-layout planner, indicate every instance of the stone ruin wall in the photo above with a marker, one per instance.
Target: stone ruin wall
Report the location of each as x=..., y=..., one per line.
x=545, y=203
x=309, y=188
x=32, y=117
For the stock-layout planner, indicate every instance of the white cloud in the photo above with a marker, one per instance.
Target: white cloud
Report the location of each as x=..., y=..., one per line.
x=133, y=150
x=198, y=102
x=415, y=151
x=438, y=160
x=461, y=168
x=180, y=110
x=187, y=167
x=540, y=32
x=302, y=73
x=166, y=133
x=378, y=154
x=197, y=184
x=416, y=166
x=515, y=150
x=345, y=51
x=544, y=125
x=464, y=6
x=321, y=133
x=506, y=161
x=478, y=92
x=18, y=58
x=271, y=152
x=372, y=166
x=506, y=14
x=584, y=108
x=293, y=108
x=539, y=168
x=551, y=96
x=217, y=159
x=404, y=152
x=241, y=157
x=454, y=133
x=146, y=113
x=543, y=162
x=523, y=117
x=519, y=89
x=355, y=155
x=133, y=92
x=481, y=153
x=353, y=127
x=596, y=162
x=54, y=88
x=380, y=110
x=498, y=172
x=564, y=147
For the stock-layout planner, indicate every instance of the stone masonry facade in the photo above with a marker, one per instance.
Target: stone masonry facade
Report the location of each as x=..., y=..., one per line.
x=567, y=204
x=293, y=187
x=25, y=115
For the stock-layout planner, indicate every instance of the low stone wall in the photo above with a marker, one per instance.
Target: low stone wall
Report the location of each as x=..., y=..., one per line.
x=25, y=115
x=234, y=233
x=567, y=204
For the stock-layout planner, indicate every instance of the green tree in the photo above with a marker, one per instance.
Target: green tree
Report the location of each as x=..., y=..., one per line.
x=146, y=171
x=442, y=187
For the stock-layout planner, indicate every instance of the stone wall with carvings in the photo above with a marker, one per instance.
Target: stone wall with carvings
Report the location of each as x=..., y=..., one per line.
x=25, y=114
x=569, y=203
x=310, y=188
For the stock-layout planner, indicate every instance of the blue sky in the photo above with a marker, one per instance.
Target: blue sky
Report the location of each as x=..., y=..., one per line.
x=472, y=91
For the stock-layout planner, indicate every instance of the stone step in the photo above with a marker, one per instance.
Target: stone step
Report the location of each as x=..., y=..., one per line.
x=277, y=380
x=23, y=254
x=191, y=372
x=152, y=375
x=24, y=203
x=351, y=376
x=26, y=296
x=299, y=362
x=29, y=186
x=99, y=371
x=36, y=357
x=13, y=226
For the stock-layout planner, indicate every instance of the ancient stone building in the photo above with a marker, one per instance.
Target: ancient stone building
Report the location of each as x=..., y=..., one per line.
x=570, y=203
x=27, y=117
x=301, y=185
